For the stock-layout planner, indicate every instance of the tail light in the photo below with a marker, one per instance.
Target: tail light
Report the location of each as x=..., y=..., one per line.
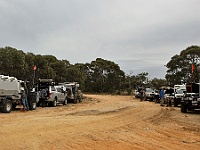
x=50, y=95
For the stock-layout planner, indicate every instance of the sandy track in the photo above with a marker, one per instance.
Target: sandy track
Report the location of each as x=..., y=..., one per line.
x=101, y=122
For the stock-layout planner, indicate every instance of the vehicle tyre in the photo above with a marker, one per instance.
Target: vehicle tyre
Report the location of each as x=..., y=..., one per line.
x=183, y=108
x=54, y=103
x=75, y=101
x=14, y=105
x=170, y=102
x=32, y=106
x=175, y=103
x=38, y=104
x=6, y=106
x=65, y=101
x=80, y=99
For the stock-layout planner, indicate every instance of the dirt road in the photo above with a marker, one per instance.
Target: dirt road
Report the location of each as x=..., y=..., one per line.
x=101, y=122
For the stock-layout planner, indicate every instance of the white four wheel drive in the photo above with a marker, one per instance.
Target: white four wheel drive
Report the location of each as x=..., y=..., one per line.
x=55, y=94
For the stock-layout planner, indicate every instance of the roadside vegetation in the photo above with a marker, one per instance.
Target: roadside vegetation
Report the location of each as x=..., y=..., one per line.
x=100, y=75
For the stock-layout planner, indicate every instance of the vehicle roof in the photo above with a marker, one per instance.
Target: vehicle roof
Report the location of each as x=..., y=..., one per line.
x=45, y=80
x=58, y=86
x=8, y=78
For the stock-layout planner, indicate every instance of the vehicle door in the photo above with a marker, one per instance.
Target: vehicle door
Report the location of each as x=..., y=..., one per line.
x=61, y=94
x=69, y=92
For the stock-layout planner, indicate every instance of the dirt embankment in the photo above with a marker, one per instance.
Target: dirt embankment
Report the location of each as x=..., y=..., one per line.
x=101, y=122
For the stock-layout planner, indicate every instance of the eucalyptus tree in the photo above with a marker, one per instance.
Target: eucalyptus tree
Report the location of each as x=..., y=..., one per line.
x=72, y=74
x=180, y=66
x=192, y=57
x=12, y=62
x=177, y=70
x=59, y=70
x=43, y=68
x=158, y=83
x=138, y=80
x=104, y=75
x=82, y=74
x=29, y=65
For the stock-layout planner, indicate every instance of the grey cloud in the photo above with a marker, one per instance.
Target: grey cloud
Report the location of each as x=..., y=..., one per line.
x=81, y=31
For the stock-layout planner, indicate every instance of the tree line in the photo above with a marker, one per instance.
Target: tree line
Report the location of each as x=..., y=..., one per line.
x=99, y=76
x=184, y=67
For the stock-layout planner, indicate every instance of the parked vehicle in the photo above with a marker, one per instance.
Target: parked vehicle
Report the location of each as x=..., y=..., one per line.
x=157, y=97
x=169, y=96
x=11, y=90
x=179, y=91
x=138, y=92
x=149, y=94
x=55, y=94
x=61, y=95
x=191, y=99
x=74, y=94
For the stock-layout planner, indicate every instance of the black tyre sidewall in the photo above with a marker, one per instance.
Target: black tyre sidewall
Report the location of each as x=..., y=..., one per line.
x=5, y=104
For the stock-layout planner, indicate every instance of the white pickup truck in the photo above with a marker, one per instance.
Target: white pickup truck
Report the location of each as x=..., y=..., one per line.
x=10, y=94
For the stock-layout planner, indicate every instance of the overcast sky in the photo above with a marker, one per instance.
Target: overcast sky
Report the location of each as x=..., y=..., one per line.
x=139, y=35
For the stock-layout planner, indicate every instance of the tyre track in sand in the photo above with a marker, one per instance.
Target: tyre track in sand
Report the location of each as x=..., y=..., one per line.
x=101, y=122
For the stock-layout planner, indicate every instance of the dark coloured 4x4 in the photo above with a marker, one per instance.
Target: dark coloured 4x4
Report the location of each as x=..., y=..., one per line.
x=191, y=99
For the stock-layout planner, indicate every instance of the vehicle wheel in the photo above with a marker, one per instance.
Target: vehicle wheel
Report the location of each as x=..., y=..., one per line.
x=65, y=101
x=80, y=100
x=75, y=101
x=32, y=106
x=14, y=105
x=6, y=106
x=38, y=104
x=54, y=103
x=175, y=103
x=183, y=108
x=170, y=103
